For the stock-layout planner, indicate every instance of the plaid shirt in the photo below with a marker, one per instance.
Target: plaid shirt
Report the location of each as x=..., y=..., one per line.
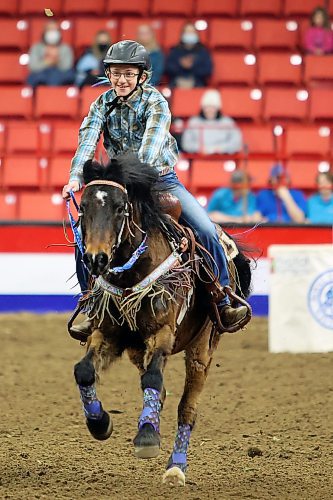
x=140, y=125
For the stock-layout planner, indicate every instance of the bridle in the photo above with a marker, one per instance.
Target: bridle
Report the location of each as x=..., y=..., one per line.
x=127, y=221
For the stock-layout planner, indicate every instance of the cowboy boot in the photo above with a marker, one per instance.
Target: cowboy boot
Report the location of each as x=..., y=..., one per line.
x=232, y=318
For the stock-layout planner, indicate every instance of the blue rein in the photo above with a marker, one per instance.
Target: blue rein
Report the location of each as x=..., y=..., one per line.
x=115, y=270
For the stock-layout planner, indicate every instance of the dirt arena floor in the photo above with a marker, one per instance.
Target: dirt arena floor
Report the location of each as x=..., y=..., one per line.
x=279, y=405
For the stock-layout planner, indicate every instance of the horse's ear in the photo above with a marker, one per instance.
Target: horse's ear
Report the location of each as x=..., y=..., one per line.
x=92, y=171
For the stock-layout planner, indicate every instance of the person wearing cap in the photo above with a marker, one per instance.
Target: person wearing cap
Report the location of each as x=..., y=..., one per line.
x=281, y=203
x=211, y=131
x=135, y=117
x=235, y=203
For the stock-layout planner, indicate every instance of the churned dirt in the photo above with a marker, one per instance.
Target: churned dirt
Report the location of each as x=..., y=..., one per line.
x=265, y=426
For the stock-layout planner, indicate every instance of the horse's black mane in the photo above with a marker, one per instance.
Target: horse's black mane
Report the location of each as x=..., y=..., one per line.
x=140, y=180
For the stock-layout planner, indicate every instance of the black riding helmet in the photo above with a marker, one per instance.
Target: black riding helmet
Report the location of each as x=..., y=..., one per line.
x=128, y=52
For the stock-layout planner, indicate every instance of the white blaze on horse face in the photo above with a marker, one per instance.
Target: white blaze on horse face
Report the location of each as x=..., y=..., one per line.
x=101, y=195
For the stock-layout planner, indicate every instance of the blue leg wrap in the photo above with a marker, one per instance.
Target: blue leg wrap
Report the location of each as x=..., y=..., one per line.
x=92, y=407
x=179, y=454
x=151, y=409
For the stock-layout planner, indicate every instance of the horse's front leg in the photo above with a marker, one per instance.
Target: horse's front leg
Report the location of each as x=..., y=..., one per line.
x=147, y=440
x=98, y=420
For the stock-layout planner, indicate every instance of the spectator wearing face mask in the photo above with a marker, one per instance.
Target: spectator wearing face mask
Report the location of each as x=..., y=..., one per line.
x=50, y=60
x=212, y=132
x=90, y=67
x=189, y=64
x=320, y=204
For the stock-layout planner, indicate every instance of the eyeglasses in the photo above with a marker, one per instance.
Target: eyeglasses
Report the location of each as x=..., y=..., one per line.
x=128, y=75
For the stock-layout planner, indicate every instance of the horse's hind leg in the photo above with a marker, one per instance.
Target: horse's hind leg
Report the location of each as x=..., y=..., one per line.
x=98, y=420
x=198, y=358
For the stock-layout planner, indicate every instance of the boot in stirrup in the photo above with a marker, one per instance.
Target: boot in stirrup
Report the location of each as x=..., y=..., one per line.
x=82, y=330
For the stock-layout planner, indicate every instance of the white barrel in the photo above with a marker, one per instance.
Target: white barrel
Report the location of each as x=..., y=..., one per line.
x=301, y=298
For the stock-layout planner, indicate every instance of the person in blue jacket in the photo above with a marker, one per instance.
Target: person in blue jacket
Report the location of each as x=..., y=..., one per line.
x=320, y=204
x=189, y=64
x=280, y=203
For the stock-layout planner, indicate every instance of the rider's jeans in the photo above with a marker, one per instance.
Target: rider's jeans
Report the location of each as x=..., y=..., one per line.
x=194, y=216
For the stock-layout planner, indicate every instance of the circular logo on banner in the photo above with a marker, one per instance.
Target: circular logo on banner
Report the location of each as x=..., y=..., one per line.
x=320, y=299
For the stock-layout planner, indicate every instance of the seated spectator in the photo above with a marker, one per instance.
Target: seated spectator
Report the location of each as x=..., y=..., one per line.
x=51, y=61
x=320, y=205
x=319, y=37
x=280, y=203
x=189, y=64
x=90, y=68
x=146, y=36
x=236, y=203
x=212, y=132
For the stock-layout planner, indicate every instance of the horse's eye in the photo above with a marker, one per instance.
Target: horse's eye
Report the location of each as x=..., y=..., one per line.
x=119, y=210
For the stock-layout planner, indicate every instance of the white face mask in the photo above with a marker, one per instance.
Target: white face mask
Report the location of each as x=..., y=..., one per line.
x=52, y=37
x=190, y=38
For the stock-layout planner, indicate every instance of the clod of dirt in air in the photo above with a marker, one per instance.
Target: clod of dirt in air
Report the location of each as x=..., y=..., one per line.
x=253, y=451
x=48, y=12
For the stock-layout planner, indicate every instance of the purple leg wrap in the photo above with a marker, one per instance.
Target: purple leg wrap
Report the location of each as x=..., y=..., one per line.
x=151, y=409
x=92, y=407
x=178, y=456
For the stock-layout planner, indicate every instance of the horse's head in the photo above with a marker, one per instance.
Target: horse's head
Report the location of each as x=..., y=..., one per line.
x=105, y=206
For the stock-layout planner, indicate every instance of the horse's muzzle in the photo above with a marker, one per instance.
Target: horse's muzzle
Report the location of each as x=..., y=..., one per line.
x=96, y=264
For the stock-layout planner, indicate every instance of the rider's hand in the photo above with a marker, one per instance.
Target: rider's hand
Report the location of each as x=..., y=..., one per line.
x=72, y=185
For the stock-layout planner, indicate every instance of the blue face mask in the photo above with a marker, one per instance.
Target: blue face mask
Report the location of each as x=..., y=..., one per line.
x=190, y=38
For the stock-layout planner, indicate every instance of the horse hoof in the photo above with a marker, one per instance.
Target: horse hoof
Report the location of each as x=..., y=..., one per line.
x=100, y=429
x=174, y=477
x=147, y=442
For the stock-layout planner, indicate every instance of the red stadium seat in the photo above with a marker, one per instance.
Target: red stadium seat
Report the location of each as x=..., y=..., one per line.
x=86, y=29
x=138, y=7
x=186, y=102
x=299, y=7
x=41, y=206
x=65, y=138
x=37, y=7
x=260, y=140
x=57, y=102
x=278, y=68
x=216, y=8
x=21, y=171
x=95, y=7
x=172, y=32
x=321, y=104
x=275, y=34
x=37, y=26
x=318, y=68
x=8, y=206
x=175, y=7
x=308, y=141
x=259, y=7
x=129, y=26
x=209, y=174
x=14, y=34
x=231, y=33
x=59, y=171
x=11, y=69
x=242, y=103
x=16, y=101
x=258, y=171
x=303, y=173
x=3, y=139
x=285, y=104
x=232, y=68
x=88, y=96
x=22, y=137
x=8, y=8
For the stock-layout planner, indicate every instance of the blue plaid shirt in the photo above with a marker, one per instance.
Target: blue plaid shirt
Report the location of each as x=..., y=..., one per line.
x=140, y=124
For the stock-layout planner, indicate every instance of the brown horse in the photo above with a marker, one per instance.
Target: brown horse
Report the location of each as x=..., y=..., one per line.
x=145, y=299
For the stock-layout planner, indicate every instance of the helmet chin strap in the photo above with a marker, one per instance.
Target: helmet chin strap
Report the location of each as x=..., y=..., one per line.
x=117, y=102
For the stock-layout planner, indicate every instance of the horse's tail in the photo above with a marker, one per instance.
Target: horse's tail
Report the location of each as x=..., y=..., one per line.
x=245, y=261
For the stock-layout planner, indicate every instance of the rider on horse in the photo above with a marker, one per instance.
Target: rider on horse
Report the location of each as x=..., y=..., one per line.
x=134, y=116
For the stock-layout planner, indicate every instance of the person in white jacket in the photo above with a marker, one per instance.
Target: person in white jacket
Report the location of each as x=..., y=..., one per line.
x=211, y=132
